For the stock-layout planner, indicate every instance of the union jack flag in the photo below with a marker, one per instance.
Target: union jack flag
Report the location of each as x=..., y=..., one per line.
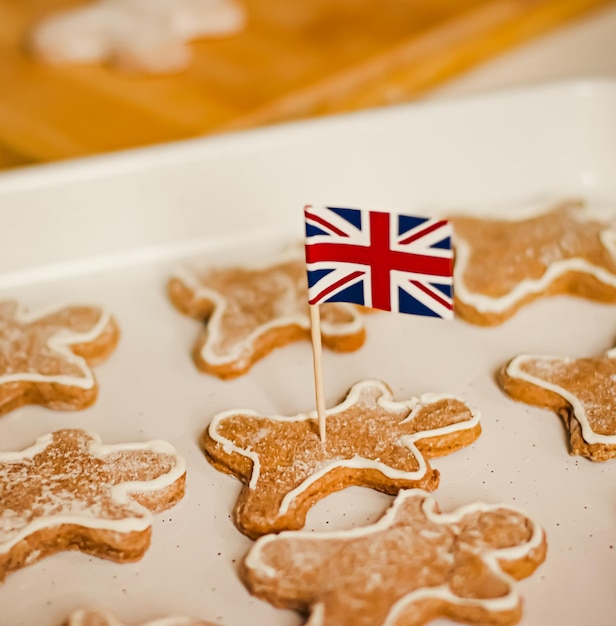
x=380, y=260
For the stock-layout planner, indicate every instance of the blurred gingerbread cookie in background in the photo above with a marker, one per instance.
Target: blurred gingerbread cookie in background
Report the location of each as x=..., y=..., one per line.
x=542, y=249
x=46, y=355
x=147, y=36
x=581, y=390
x=247, y=311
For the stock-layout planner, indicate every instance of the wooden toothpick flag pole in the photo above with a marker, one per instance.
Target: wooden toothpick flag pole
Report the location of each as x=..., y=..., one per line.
x=315, y=331
x=381, y=260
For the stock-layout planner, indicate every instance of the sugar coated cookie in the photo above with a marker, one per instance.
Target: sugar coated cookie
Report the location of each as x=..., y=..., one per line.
x=45, y=355
x=582, y=391
x=504, y=263
x=105, y=618
x=414, y=565
x=138, y=35
x=372, y=441
x=250, y=311
x=70, y=492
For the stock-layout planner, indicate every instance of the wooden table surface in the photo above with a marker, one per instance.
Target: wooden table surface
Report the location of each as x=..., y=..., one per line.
x=295, y=58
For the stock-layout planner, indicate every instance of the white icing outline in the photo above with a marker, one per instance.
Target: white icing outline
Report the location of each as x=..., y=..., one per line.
x=175, y=621
x=490, y=304
x=77, y=619
x=190, y=279
x=60, y=343
x=515, y=370
x=385, y=401
x=119, y=493
x=255, y=562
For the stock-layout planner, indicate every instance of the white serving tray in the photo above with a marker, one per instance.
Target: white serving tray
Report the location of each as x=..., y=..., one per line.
x=109, y=230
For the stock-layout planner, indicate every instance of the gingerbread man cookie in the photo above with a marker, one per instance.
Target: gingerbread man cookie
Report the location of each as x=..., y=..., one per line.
x=104, y=618
x=582, y=391
x=372, y=441
x=138, y=35
x=503, y=264
x=70, y=492
x=414, y=565
x=251, y=311
x=45, y=355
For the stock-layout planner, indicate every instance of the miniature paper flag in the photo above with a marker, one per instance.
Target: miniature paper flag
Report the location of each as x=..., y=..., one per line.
x=387, y=261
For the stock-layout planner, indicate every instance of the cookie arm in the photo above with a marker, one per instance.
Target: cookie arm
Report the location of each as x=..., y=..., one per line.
x=152, y=474
x=528, y=388
x=287, y=569
x=441, y=424
x=182, y=291
x=89, y=332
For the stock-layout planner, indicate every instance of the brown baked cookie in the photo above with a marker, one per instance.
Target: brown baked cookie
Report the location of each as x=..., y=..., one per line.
x=105, y=618
x=372, y=441
x=581, y=391
x=414, y=565
x=503, y=264
x=45, y=356
x=70, y=492
x=251, y=311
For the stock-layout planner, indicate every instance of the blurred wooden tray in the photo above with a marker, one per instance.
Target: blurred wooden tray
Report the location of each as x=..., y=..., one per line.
x=295, y=59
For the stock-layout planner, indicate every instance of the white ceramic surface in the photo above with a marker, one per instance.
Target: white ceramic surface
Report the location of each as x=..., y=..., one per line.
x=110, y=229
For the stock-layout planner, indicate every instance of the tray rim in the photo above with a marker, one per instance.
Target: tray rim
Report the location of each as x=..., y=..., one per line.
x=142, y=158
